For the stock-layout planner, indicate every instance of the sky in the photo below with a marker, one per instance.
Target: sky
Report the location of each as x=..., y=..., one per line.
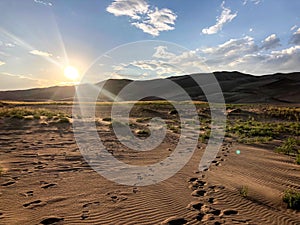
x=143, y=39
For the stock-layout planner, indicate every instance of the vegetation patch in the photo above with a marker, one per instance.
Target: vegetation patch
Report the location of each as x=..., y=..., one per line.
x=244, y=190
x=23, y=112
x=289, y=146
x=292, y=198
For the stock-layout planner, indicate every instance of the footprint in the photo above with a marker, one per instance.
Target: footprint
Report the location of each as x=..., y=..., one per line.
x=211, y=200
x=229, y=212
x=192, y=179
x=84, y=215
x=34, y=204
x=48, y=185
x=215, y=212
x=8, y=183
x=52, y=220
x=27, y=194
x=174, y=220
x=198, y=193
x=208, y=217
x=195, y=205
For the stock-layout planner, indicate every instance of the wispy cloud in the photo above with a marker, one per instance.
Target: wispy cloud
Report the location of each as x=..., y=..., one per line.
x=10, y=81
x=150, y=20
x=225, y=17
x=256, y=2
x=10, y=45
x=43, y=2
x=270, y=42
x=232, y=48
x=40, y=53
x=2, y=63
x=295, y=39
x=293, y=27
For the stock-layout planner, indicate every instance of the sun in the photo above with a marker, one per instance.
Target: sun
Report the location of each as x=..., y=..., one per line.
x=71, y=73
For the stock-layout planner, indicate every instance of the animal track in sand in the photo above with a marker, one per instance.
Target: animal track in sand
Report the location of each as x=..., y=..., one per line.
x=52, y=220
x=8, y=183
x=45, y=186
x=34, y=204
x=86, y=207
x=174, y=220
x=27, y=193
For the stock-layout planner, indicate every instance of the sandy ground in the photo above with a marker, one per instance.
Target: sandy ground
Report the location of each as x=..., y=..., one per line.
x=45, y=180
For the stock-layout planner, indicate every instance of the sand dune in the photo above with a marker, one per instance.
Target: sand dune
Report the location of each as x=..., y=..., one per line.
x=45, y=180
x=237, y=88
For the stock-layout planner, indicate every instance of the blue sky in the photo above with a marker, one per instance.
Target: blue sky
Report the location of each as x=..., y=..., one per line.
x=40, y=38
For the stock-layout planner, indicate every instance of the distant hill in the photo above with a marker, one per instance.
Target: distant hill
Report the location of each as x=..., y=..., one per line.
x=237, y=88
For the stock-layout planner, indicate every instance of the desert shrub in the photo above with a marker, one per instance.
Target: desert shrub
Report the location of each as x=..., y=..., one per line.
x=174, y=128
x=204, y=136
x=141, y=120
x=244, y=191
x=298, y=159
x=21, y=112
x=289, y=146
x=284, y=113
x=143, y=132
x=292, y=198
x=63, y=120
x=255, y=140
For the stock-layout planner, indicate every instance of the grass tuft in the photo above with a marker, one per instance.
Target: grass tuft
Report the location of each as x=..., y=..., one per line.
x=244, y=191
x=292, y=198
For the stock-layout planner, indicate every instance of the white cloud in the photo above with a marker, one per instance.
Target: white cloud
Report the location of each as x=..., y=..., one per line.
x=162, y=53
x=43, y=2
x=2, y=63
x=225, y=17
x=295, y=39
x=245, y=55
x=40, y=53
x=232, y=48
x=293, y=27
x=286, y=52
x=132, y=8
x=148, y=20
x=147, y=67
x=163, y=63
x=256, y=2
x=270, y=42
x=10, y=45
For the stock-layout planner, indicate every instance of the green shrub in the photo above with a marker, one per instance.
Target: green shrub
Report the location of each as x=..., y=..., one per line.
x=205, y=136
x=141, y=120
x=63, y=120
x=143, y=132
x=298, y=159
x=244, y=191
x=289, y=146
x=292, y=198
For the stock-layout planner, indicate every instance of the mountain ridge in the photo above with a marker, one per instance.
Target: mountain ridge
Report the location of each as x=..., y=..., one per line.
x=237, y=87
